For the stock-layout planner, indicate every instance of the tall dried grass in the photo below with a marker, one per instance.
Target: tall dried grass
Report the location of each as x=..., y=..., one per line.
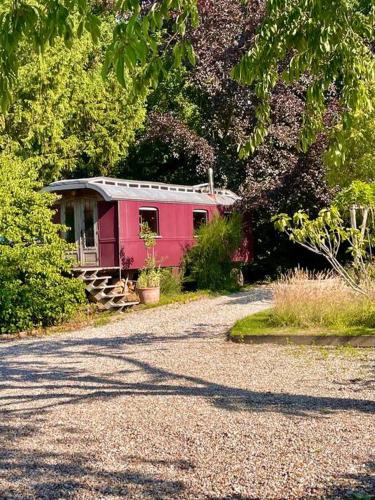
x=307, y=299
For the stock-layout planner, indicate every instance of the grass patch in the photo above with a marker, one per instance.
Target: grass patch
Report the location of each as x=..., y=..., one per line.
x=264, y=323
x=178, y=298
x=259, y=324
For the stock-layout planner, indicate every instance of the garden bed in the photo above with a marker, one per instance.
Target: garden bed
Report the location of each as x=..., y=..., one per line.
x=259, y=329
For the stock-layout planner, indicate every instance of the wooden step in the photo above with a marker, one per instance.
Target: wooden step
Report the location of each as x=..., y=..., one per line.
x=96, y=278
x=115, y=295
x=104, y=287
x=123, y=304
x=110, y=296
x=95, y=268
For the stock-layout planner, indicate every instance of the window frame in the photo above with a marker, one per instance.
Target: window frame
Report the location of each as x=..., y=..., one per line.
x=150, y=209
x=201, y=211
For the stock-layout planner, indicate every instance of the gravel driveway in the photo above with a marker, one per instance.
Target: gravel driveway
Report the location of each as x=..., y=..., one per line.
x=160, y=405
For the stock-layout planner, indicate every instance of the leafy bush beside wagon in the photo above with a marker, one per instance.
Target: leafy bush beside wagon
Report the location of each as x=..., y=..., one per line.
x=210, y=261
x=35, y=283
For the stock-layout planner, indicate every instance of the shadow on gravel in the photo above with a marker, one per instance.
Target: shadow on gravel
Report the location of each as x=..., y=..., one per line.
x=41, y=375
x=258, y=295
x=358, y=384
x=59, y=381
x=355, y=486
x=64, y=475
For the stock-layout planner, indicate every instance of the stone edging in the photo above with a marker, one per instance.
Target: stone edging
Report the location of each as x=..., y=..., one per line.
x=313, y=340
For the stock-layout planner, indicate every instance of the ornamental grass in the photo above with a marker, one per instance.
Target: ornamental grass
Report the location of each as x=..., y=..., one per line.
x=307, y=300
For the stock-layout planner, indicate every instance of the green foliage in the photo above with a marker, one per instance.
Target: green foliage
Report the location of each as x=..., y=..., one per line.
x=148, y=237
x=36, y=289
x=210, y=260
x=149, y=276
x=351, y=154
x=323, y=230
x=328, y=40
x=170, y=282
x=137, y=36
x=325, y=234
x=358, y=193
x=65, y=118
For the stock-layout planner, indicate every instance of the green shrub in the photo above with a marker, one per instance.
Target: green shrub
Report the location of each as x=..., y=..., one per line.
x=170, y=282
x=149, y=278
x=36, y=289
x=210, y=261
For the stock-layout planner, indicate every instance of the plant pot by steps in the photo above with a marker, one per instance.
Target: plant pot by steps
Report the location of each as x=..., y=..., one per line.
x=150, y=295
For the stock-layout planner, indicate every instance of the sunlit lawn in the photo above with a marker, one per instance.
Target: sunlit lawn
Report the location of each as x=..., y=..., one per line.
x=262, y=323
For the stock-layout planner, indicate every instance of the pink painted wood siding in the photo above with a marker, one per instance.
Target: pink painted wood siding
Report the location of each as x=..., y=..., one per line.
x=175, y=227
x=108, y=234
x=120, y=244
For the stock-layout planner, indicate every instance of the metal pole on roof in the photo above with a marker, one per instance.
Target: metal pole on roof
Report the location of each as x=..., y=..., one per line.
x=211, y=181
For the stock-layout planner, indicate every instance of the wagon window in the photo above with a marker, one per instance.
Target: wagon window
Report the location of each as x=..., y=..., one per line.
x=199, y=217
x=149, y=216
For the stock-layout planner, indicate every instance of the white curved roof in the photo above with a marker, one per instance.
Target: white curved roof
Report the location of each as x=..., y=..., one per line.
x=118, y=189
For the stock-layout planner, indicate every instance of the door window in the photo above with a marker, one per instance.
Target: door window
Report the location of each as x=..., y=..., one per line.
x=89, y=224
x=70, y=234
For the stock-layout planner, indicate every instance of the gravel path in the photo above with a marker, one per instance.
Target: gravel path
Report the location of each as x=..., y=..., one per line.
x=160, y=405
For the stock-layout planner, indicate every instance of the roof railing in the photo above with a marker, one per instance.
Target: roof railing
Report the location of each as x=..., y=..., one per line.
x=198, y=188
x=109, y=181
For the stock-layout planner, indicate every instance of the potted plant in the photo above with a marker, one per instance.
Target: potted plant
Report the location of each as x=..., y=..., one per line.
x=148, y=283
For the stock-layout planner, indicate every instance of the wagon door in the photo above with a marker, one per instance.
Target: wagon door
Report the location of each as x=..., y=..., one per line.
x=88, y=232
x=69, y=217
x=108, y=234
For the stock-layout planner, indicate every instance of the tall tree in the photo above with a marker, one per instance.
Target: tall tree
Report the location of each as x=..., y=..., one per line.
x=66, y=120
x=169, y=150
x=206, y=100
x=329, y=39
x=282, y=178
x=144, y=34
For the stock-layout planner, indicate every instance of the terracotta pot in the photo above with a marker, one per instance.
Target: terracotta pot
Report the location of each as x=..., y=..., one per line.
x=149, y=295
